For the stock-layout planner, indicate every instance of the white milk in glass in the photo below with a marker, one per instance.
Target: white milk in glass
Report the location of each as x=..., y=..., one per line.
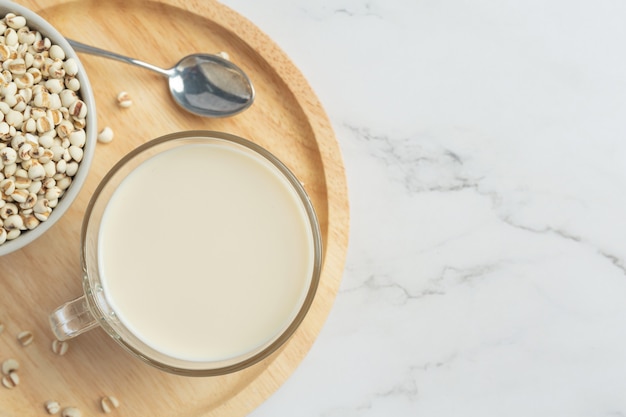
x=205, y=252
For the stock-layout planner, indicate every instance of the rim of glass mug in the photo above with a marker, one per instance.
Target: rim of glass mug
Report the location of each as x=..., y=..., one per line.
x=91, y=309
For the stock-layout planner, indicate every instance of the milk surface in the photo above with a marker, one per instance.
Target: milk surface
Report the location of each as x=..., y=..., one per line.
x=205, y=252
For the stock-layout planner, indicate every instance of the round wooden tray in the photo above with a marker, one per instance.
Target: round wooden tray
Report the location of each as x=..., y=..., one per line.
x=286, y=118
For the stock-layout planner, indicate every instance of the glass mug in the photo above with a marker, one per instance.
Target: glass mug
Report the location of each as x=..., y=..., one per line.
x=201, y=255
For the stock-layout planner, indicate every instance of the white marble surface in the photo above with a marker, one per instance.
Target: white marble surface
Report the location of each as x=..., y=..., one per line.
x=485, y=149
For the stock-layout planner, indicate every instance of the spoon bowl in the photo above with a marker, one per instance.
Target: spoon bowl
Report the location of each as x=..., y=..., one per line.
x=203, y=84
x=209, y=85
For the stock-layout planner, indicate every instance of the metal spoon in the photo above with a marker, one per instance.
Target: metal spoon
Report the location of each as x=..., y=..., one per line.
x=206, y=85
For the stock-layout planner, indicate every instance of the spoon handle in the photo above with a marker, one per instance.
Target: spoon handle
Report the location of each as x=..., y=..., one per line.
x=92, y=50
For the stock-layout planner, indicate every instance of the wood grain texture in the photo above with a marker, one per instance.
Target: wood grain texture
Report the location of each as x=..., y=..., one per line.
x=286, y=118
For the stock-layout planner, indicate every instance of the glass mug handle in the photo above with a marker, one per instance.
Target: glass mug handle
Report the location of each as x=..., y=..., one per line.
x=72, y=319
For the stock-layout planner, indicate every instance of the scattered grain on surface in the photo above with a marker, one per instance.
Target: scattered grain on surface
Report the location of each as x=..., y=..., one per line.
x=25, y=337
x=52, y=407
x=10, y=365
x=109, y=403
x=60, y=347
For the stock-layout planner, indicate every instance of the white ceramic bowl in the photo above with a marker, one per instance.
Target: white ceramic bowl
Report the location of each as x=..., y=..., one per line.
x=36, y=22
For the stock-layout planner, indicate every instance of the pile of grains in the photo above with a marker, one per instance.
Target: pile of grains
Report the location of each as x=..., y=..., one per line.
x=42, y=126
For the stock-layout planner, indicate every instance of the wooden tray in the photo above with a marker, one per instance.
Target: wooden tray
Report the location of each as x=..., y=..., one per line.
x=286, y=118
